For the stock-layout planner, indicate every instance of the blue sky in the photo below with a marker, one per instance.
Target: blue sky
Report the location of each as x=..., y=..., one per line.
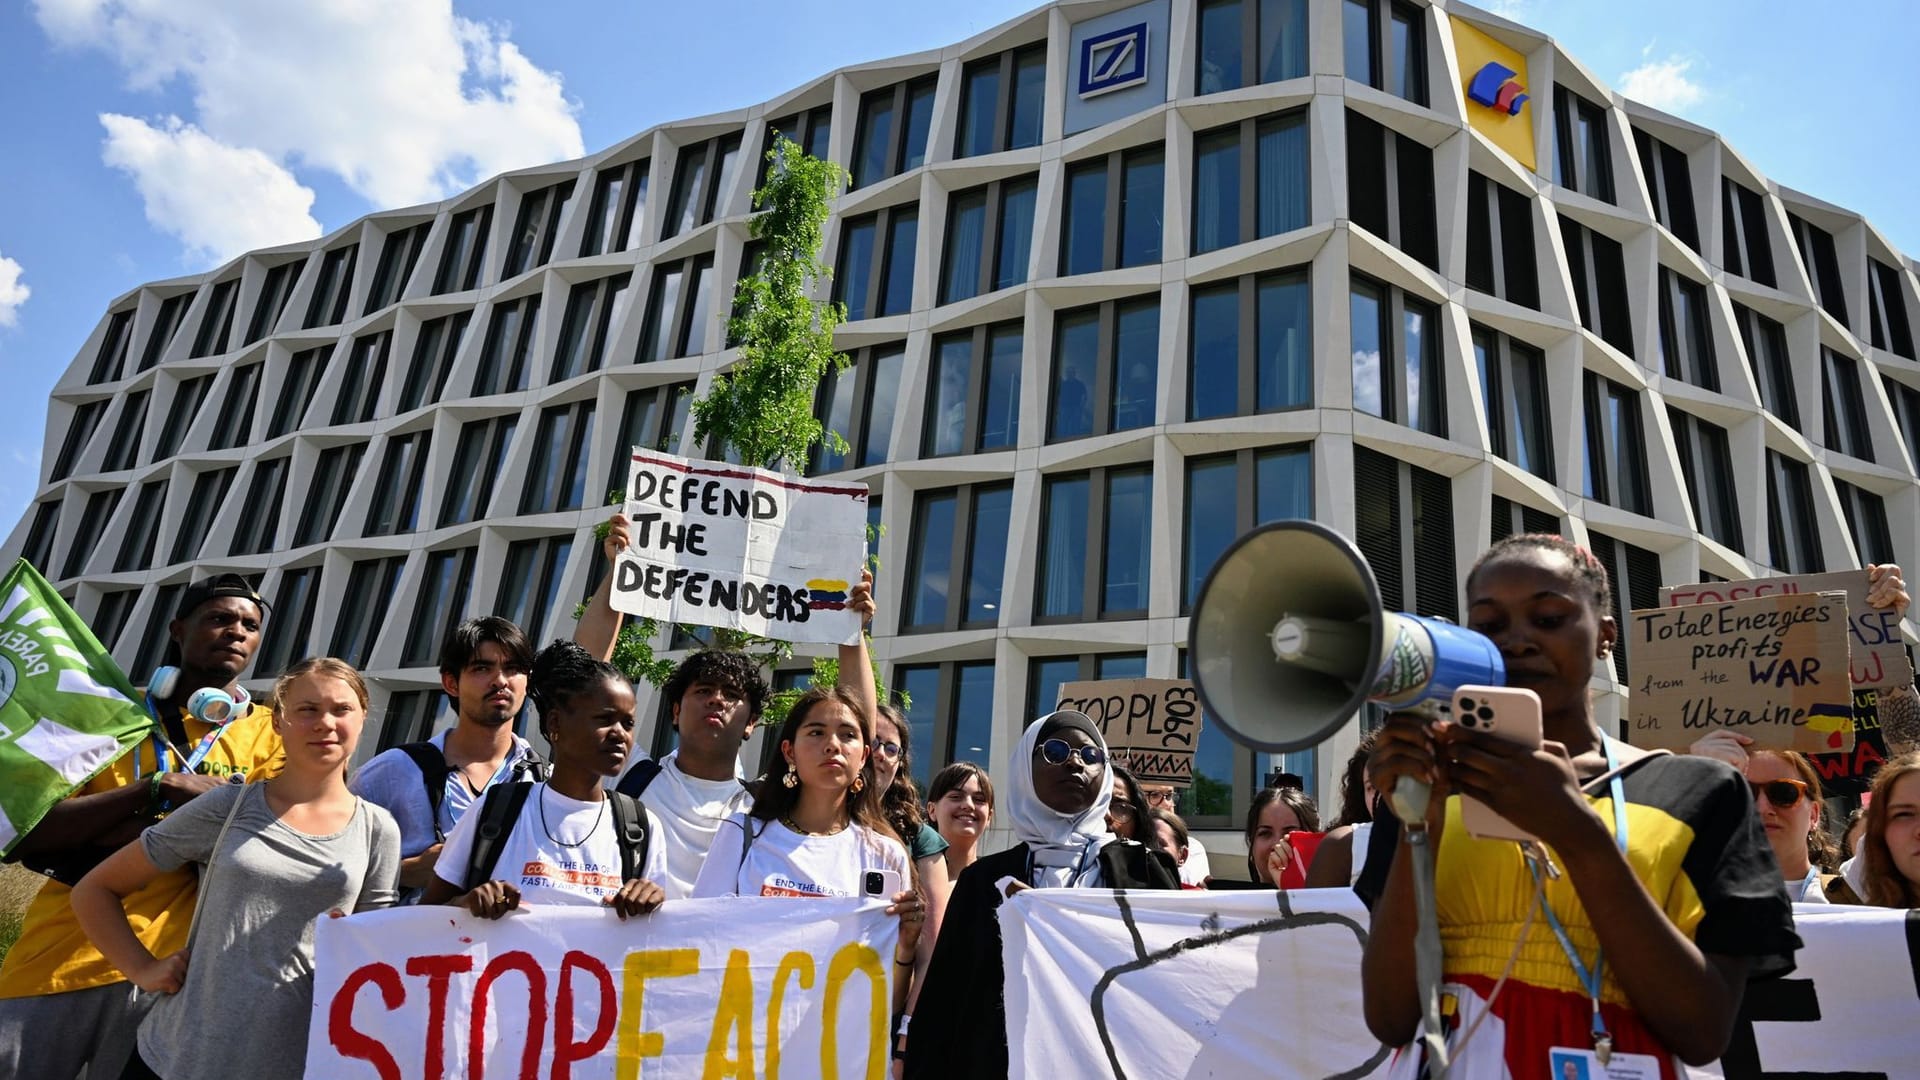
x=145, y=139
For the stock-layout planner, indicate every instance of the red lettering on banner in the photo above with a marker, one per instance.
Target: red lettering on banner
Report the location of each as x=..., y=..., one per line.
x=565, y=1050
x=356, y=1044
x=523, y=962
x=439, y=972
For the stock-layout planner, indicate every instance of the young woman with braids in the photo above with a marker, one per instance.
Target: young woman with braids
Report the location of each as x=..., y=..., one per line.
x=567, y=820
x=1660, y=895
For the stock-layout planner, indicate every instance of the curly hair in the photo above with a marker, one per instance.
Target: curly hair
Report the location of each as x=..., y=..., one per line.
x=901, y=801
x=1886, y=885
x=1353, y=785
x=1587, y=566
x=562, y=670
x=728, y=668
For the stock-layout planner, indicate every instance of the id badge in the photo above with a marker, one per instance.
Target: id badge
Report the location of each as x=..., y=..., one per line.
x=1569, y=1063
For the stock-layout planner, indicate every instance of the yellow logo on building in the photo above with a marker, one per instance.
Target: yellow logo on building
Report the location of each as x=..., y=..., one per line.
x=1493, y=78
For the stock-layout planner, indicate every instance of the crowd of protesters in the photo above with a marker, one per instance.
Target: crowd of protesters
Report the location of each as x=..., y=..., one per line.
x=184, y=881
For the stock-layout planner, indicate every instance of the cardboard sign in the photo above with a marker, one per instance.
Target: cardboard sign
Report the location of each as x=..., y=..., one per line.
x=746, y=549
x=1151, y=725
x=1773, y=668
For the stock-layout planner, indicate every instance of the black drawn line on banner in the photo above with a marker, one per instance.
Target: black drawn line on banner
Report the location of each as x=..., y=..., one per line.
x=1133, y=928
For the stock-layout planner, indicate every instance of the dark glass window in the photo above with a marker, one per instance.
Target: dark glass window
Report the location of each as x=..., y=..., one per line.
x=812, y=130
x=1845, y=406
x=1823, y=265
x=1386, y=47
x=974, y=403
x=1686, y=340
x=1906, y=410
x=433, y=355
x=1047, y=674
x=1513, y=383
x=557, y=473
x=1582, y=151
x=1000, y=101
x=1396, y=357
x=1264, y=38
x=94, y=517
x=39, y=545
x=1599, y=283
x=1616, y=463
x=209, y=494
x=1866, y=515
x=1390, y=188
x=396, y=495
x=1403, y=524
x=676, y=323
x=1745, y=246
x=536, y=227
x=957, y=557
x=234, y=426
x=1670, y=184
x=165, y=598
x=892, y=137
x=594, y=310
x=531, y=582
x=365, y=378
x=109, y=364
x=617, y=213
x=328, y=304
x=410, y=715
x=166, y=323
x=478, y=459
x=110, y=619
x=1229, y=494
x=1250, y=180
x=80, y=429
x=858, y=403
x=504, y=357
x=989, y=238
x=1092, y=238
x=333, y=477
x=285, y=640
x=1766, y=343
x=951, y=713
x=370, y=588
x=259, y=527
x=143, y=528
x=1887, y=309
x=466, y=252
x=218, y=321
x=128, y=432
x=188, y=396
x=1096, y=544
x=444, y=587
x=700, y=178
x=275, y=291
x=399, y=253
x=1793, y=532
x=1500, y=258
x=652, y=418
x=1635, y=576
x=1252, y=346
x=1706, y=463
x=1512, y=519
x=1106, y=368
x=875, y=278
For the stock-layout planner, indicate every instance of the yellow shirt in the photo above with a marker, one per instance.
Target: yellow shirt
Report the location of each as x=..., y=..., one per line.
x=53, y=955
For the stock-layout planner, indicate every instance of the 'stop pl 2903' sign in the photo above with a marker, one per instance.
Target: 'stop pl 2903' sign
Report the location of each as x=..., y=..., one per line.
x=1113, y=61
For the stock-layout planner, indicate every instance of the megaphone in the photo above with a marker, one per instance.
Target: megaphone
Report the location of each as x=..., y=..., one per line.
x=1288, y=639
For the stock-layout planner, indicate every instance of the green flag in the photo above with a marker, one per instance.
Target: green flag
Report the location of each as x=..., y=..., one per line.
x=66, y=710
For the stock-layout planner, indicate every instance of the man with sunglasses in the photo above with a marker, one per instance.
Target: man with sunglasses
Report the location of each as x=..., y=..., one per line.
x=1195, y=871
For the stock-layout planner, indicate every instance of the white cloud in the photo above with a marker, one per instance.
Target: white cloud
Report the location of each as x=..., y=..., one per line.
x=219, y=200
x=1662, y=83
x=13, y=292
x=402, y=99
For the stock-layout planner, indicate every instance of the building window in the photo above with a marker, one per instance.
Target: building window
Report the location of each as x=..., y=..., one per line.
x=652, y=418
x=957, y=557
x=396, y=495
x=365, y=378
x=1394, y=60
x=677, y=310
x=188, y=396
x=154, y=641
x=80, y=429
x=858, y=402
x=1823, y=266
x=701, y=176
x=1906, y=409
x=1000, y=101
x=1599, y=283
x=433, y=355
x=1582, y=151
x=1096, y=545
x=478, y=458
x=1707, y=464
x=128, y=431
x=812, y=130
x=1252, y=346
x=1106, y=368
x=398, y=256
x=951, y=714
x=594, y=308
x=1793, y=532
x=1766, y=343
x=531, y=582
x=110, y=618
x=328, y=305
x=333, y=477
x=1670, y=183
x=892, y=137
x=1403, y=524
x=1513, y=383
x=143, y=528
x=1845, y=406
x=1686, y=341
x=466, y=251
x=39, y=546
x=1634, y=573
x=444, y=586
x=209, y=494
x=111, y=361
x=410, y=716
x=1500, y=219
x=1887, y=309
x=217, y=322
x=1745, y=247
x=557, y=474
x=94, y=517
x=1229, y=494
x=1396, y=357
x=370, y=589
x=875, y=278
x=305, y=369
x=1266, y=39
x=259, y=527
x=1616, y=463
x=166, y=323
x=974, y=405
x=275, y=291
x=1091, y=237
x=989, y=238
x=536, y=227
x=1047, y=674
x=1250, y=181
x=234, y=426
x=1513, y=519
x=1390, y=188
x=504, y=358
x=1866, y=515
x=617, y=215
x=292, y=622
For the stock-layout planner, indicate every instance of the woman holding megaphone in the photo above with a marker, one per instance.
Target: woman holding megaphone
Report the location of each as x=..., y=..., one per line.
x=1624, y=935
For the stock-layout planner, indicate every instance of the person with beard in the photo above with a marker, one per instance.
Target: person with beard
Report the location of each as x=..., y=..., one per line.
x=429, y=786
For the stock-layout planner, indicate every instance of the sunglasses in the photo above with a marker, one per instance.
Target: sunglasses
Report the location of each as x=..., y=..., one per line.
x=1785, y=794
x=888, y=750
x=1057, y=751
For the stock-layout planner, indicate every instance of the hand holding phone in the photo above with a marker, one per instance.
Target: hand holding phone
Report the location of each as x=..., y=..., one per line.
x=881, y=883
x=1506, y=713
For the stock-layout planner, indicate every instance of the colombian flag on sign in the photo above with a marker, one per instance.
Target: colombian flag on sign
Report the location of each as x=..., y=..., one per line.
x=827, y=595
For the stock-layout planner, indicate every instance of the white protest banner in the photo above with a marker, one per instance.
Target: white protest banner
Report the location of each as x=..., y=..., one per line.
x=1151, y=725
x=723, y=987
x=747, y=549
x=1259, y=983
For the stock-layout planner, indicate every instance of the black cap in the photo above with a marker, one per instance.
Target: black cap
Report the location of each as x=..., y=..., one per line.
x=213, y=588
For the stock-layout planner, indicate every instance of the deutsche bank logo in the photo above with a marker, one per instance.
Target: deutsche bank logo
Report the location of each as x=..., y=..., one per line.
x=1495, y=87
x=1113, y=61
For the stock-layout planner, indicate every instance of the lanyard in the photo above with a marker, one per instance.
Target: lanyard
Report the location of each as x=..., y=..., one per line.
x=161, y=745
x=1590, y=978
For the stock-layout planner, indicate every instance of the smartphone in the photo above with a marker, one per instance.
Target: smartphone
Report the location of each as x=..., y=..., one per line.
x=1505, y=713
x=881, y=883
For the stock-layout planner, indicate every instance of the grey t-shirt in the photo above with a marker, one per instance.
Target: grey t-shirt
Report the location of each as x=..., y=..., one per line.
x=252, y=943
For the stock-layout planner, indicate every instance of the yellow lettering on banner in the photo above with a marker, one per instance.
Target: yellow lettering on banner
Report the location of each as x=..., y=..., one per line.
x=853, y=957
x=794, y=964
x=734, y=1014
x=640, y=966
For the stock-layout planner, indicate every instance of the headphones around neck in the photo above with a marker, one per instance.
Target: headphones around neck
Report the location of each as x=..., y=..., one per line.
x=209, y=704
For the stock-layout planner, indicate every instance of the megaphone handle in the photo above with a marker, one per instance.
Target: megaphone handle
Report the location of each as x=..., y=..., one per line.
x=1427, y=955
x=1410, y=800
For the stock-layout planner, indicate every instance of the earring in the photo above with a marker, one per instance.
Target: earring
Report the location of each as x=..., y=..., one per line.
x=859, y=783
x=792, y=779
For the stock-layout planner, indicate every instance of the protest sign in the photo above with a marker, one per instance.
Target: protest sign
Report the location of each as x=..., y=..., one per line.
x=699, y=988
x=1878, y=661
x=746, y=549
x=1150, y=725
x=66, y=711
x=1773, y=668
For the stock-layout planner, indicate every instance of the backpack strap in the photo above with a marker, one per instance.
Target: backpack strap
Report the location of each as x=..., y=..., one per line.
x=434, y=770
x=630, y=825
x=638, y=778
x=499, y=809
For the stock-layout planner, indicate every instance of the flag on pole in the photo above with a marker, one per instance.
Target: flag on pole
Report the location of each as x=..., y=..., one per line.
x=66, y=710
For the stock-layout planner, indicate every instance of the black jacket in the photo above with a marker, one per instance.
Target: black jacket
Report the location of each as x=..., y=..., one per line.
x=959, y=1026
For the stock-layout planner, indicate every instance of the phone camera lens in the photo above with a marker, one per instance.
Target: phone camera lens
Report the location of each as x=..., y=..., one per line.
x=1466, y=704
x=1485, y=714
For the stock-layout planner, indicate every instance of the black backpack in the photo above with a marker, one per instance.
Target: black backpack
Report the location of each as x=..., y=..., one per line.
x=434, y=770
x=642, y=776
x=500, y=808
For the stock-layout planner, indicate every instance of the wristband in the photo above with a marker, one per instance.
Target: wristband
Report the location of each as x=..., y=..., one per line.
x=908, y=962
x=154, y=805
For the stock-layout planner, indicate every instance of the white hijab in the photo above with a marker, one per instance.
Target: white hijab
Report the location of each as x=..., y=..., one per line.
x=1064, y=848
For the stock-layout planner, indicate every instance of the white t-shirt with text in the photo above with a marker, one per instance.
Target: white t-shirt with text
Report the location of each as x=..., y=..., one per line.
x=782, y=862
x=690, y=811
x=571, y=856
